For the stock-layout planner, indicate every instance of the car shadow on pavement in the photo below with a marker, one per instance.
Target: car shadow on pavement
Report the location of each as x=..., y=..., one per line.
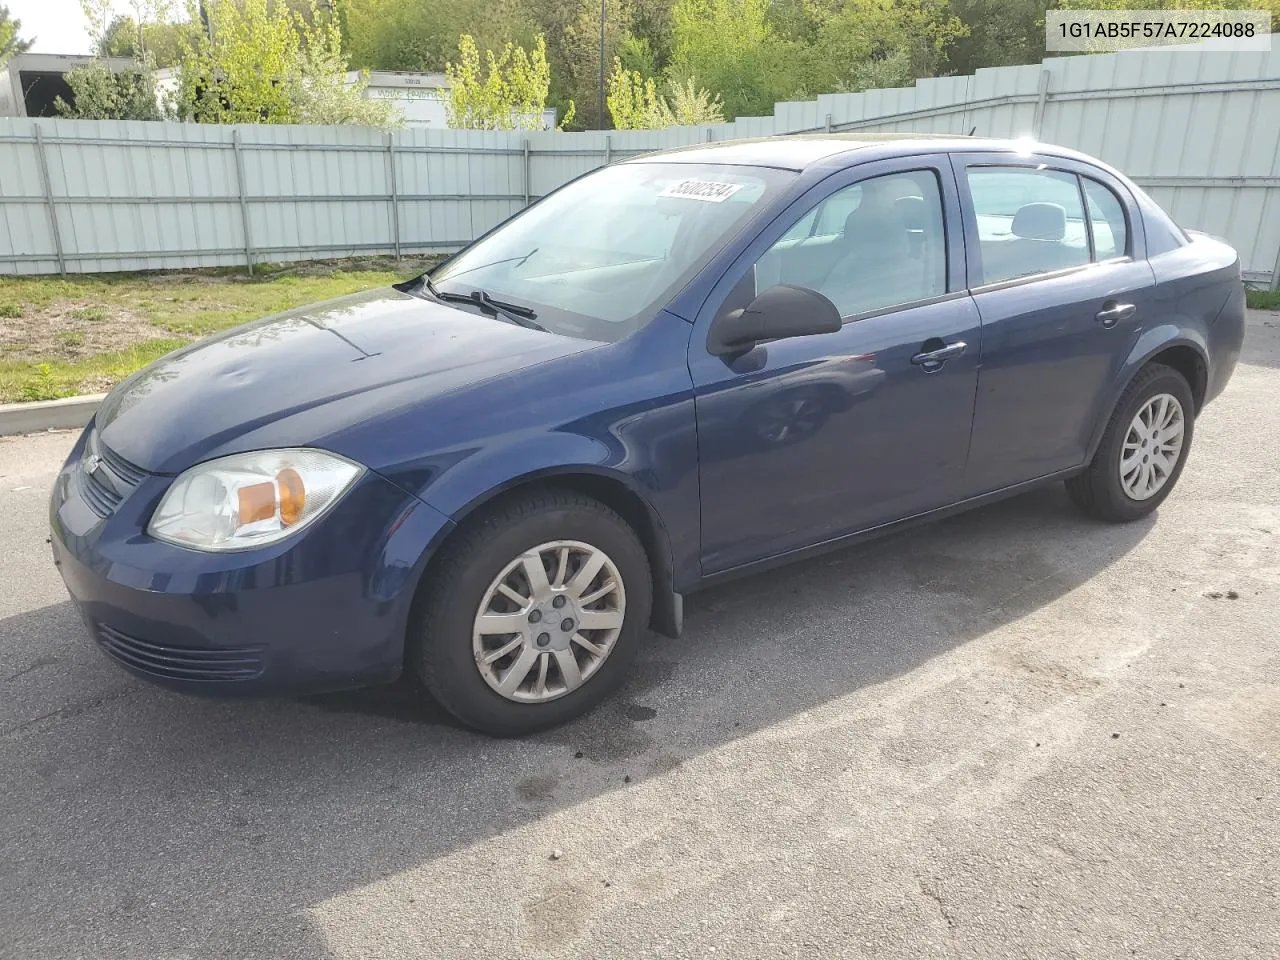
x=144, y=823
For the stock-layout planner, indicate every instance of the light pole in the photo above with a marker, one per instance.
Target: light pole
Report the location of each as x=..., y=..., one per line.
x=600, y=97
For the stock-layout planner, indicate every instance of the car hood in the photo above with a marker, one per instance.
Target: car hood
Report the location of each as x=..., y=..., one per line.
x=323, y=368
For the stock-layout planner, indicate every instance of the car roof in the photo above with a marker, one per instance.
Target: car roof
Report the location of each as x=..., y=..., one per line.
x=801, y=151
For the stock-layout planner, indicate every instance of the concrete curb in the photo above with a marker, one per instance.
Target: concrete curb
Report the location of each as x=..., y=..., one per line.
x=47, y=414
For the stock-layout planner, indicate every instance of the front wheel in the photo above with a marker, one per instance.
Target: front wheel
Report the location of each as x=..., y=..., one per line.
x=1142, y=451
x=532, y=613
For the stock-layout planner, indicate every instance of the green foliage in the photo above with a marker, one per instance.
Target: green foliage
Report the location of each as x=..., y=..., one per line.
x=748, y=53
x=10, y=309
x=1262, y=299
x=691, y=104
x=579, y=51
x=422, y=35
x=42, y=385
x=69, y=338
x=507, y=92
x=160, y=41
x=651, y=26
x=859, y=44
x=11, y=43
x=635, y=103
x=92, y=314
x=1001, y=33
x=636, y=54
x=1272, y=5
x=98, y=93
x=247, y=72
x=734, y=48
x=261, y=62
x=324, y=95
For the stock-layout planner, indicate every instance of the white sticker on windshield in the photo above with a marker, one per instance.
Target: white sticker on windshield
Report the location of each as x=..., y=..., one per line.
x=709, y=191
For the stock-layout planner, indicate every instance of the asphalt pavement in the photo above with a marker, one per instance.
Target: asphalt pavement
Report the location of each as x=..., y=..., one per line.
x=1016, y=733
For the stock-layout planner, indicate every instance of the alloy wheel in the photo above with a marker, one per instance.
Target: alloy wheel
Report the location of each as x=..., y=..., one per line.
x=1152, y=446
x=548, y=621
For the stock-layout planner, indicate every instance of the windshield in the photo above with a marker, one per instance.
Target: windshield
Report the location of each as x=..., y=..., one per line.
x=600, y=257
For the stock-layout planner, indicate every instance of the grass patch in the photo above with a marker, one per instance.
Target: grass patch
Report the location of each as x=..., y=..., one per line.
x=1262, y=299
x=60, y=336
x=69, y=338
x=51, y=380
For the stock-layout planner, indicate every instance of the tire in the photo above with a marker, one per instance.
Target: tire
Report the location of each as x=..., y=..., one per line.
x=446, y=645
x=1099, y=490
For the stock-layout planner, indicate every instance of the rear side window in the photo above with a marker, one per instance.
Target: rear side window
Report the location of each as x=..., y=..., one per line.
x=1029, y=221
x=1106, y=217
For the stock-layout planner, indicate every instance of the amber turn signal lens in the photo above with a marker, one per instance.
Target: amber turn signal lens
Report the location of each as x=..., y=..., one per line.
x=257, y=502
x=293, y=495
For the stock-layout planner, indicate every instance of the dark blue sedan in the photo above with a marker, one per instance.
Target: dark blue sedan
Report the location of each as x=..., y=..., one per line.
x=671, y=371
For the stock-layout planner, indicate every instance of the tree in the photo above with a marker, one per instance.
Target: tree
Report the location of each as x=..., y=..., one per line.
x=636, y=53
x=651, y=25
x=124, y=38
x=264, y=63
x=736, y=51
x=636, y=104
x=859, y=44
x=11, y=44
x=507, y=92
x=324, y=95
x=99, y=93
x=580, y=52
x=1001, y=33
x=1272, y=5
x=423, y=35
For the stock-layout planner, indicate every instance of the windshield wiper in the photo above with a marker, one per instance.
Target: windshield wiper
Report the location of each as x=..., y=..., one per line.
x=520, y=316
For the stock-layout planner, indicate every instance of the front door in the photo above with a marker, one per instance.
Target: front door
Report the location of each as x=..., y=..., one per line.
x=807, y=439
x=1062, y=295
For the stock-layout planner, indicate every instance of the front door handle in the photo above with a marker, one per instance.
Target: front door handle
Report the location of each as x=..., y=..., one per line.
x=1113, y=311
x=932, y=360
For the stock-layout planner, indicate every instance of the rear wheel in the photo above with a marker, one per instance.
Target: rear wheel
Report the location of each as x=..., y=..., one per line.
x=532, y=613
x=1142, y=451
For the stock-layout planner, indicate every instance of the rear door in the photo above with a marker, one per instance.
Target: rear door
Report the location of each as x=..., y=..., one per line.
x=1057, y=268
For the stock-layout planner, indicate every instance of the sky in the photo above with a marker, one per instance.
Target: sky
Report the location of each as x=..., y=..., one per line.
x=57, y=25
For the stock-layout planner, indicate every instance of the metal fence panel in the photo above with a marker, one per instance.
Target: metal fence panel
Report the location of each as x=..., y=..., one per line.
x=1199, y=130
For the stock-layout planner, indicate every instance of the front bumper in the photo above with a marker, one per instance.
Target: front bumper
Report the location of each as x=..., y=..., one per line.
x=325, y=610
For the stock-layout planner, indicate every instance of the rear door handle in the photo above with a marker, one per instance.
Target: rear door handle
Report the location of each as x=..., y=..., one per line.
x=1113, y=312
x=932, y=360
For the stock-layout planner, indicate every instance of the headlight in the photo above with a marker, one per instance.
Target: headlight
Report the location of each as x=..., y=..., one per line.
x=250, y=499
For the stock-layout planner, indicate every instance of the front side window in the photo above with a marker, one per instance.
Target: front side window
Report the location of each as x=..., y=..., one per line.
x=598, y=258
x=1029, y=220
x=869, y=246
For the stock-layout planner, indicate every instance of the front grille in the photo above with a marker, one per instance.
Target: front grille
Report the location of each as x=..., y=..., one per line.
x=118, y=465
x=112, y=479
x=101, y=499
x=181, y=663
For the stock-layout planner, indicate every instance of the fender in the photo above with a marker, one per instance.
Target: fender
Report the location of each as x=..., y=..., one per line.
x=1149, y=343
x=617, y=473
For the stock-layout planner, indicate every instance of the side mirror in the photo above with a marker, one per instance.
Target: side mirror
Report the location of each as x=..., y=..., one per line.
x=781, y=311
